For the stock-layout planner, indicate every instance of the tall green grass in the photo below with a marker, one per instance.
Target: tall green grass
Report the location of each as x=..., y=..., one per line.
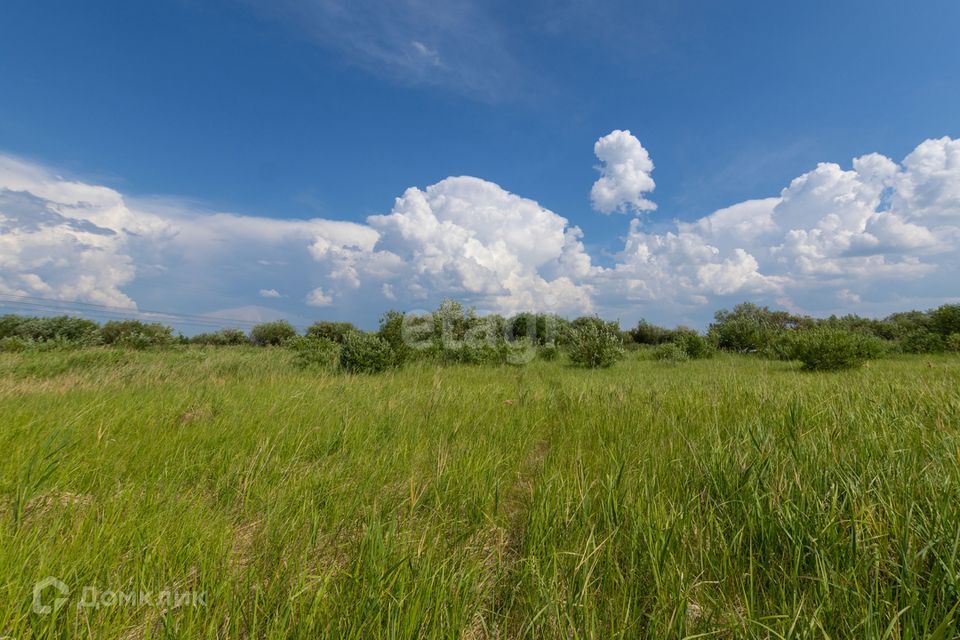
x=724, y=498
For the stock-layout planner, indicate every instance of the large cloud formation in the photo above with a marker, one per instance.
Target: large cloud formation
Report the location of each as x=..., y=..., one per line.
x=877, y=233
x=67, y=240
x=462, y=237
x=881, y=233
x=832, y=234
x=471, y=238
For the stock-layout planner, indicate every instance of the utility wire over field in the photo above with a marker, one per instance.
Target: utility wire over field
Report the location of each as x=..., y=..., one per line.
x=32, y=305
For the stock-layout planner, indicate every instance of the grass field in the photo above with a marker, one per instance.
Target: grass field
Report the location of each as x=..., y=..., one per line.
x=726, y=498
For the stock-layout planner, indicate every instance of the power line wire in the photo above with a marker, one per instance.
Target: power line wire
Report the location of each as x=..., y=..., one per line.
x=46, y=305
x=124, y=310
x=28, y=308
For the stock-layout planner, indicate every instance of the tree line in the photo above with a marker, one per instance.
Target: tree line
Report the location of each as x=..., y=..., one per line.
x=456, y=334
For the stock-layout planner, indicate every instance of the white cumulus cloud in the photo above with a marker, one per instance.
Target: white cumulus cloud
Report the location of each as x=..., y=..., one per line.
x=625, y=168
x=317, y=298
x=68, y=240
x=853, y=234
x=470, y=238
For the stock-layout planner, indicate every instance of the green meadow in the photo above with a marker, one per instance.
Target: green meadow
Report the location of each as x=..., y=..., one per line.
x=225, y=493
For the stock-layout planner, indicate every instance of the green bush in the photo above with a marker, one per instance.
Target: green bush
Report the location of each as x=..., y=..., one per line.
x=14, y=344
x=335, y=331
x=482, y=343
x=946, y=319
x=520, y=351
x=221, y=338
x=134, y=334
x=742, y=335
x=782, y=346
x=451, y=322
x=595, y=344
x=272, y=333
x=309, y=351
x=526, y=325
x=58, y=344
x=9, y=324
x=648, y=333
x=541, y=328
x=477, y=352
x=953, y=343
x=417, y=338
x=693, y=344
x=391, y=332
x=922, y=342
x=365, y=353
x=826, y=349
x=549, y=351
x=750, y=328
x=62, y=328
x=670, y=352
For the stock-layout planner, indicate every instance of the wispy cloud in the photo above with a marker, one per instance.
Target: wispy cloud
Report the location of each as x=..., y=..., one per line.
x=453, y=44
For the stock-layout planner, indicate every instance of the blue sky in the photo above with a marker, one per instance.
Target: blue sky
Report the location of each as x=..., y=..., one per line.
x=317, y=110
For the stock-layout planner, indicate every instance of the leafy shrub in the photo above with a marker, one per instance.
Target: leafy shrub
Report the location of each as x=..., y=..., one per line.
x=452, y=334
x=647, y=333
x=595, y=344
x=742, y=335
x=56, y=344
x=922, y=342
x=272, y=333
x=953, y=343
x=62, y=328
x=232, y=337
x=693, y=344
x=869, y=326
x=335, y=331
x=750, y=328
x=393, y=330
x=449, y=334
x=417, y=339
x=221, y=338
x=476, y=352
x=541, y=328
x=14, y=344
x=309, y=351
x=670, y=352
x=365, y=353
x=520, y=351
x=908, y=322
x=549, y=351
x=946, y=319
x=782, y=346
x=141, y=341
x=526, y=325
x=826, y=349
x=483, y=343
x=134, y=334
x=451, y=322
x=9, y=324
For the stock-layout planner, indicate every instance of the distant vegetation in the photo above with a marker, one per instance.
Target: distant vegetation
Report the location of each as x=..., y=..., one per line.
x=594, y=343
x=455, y=334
